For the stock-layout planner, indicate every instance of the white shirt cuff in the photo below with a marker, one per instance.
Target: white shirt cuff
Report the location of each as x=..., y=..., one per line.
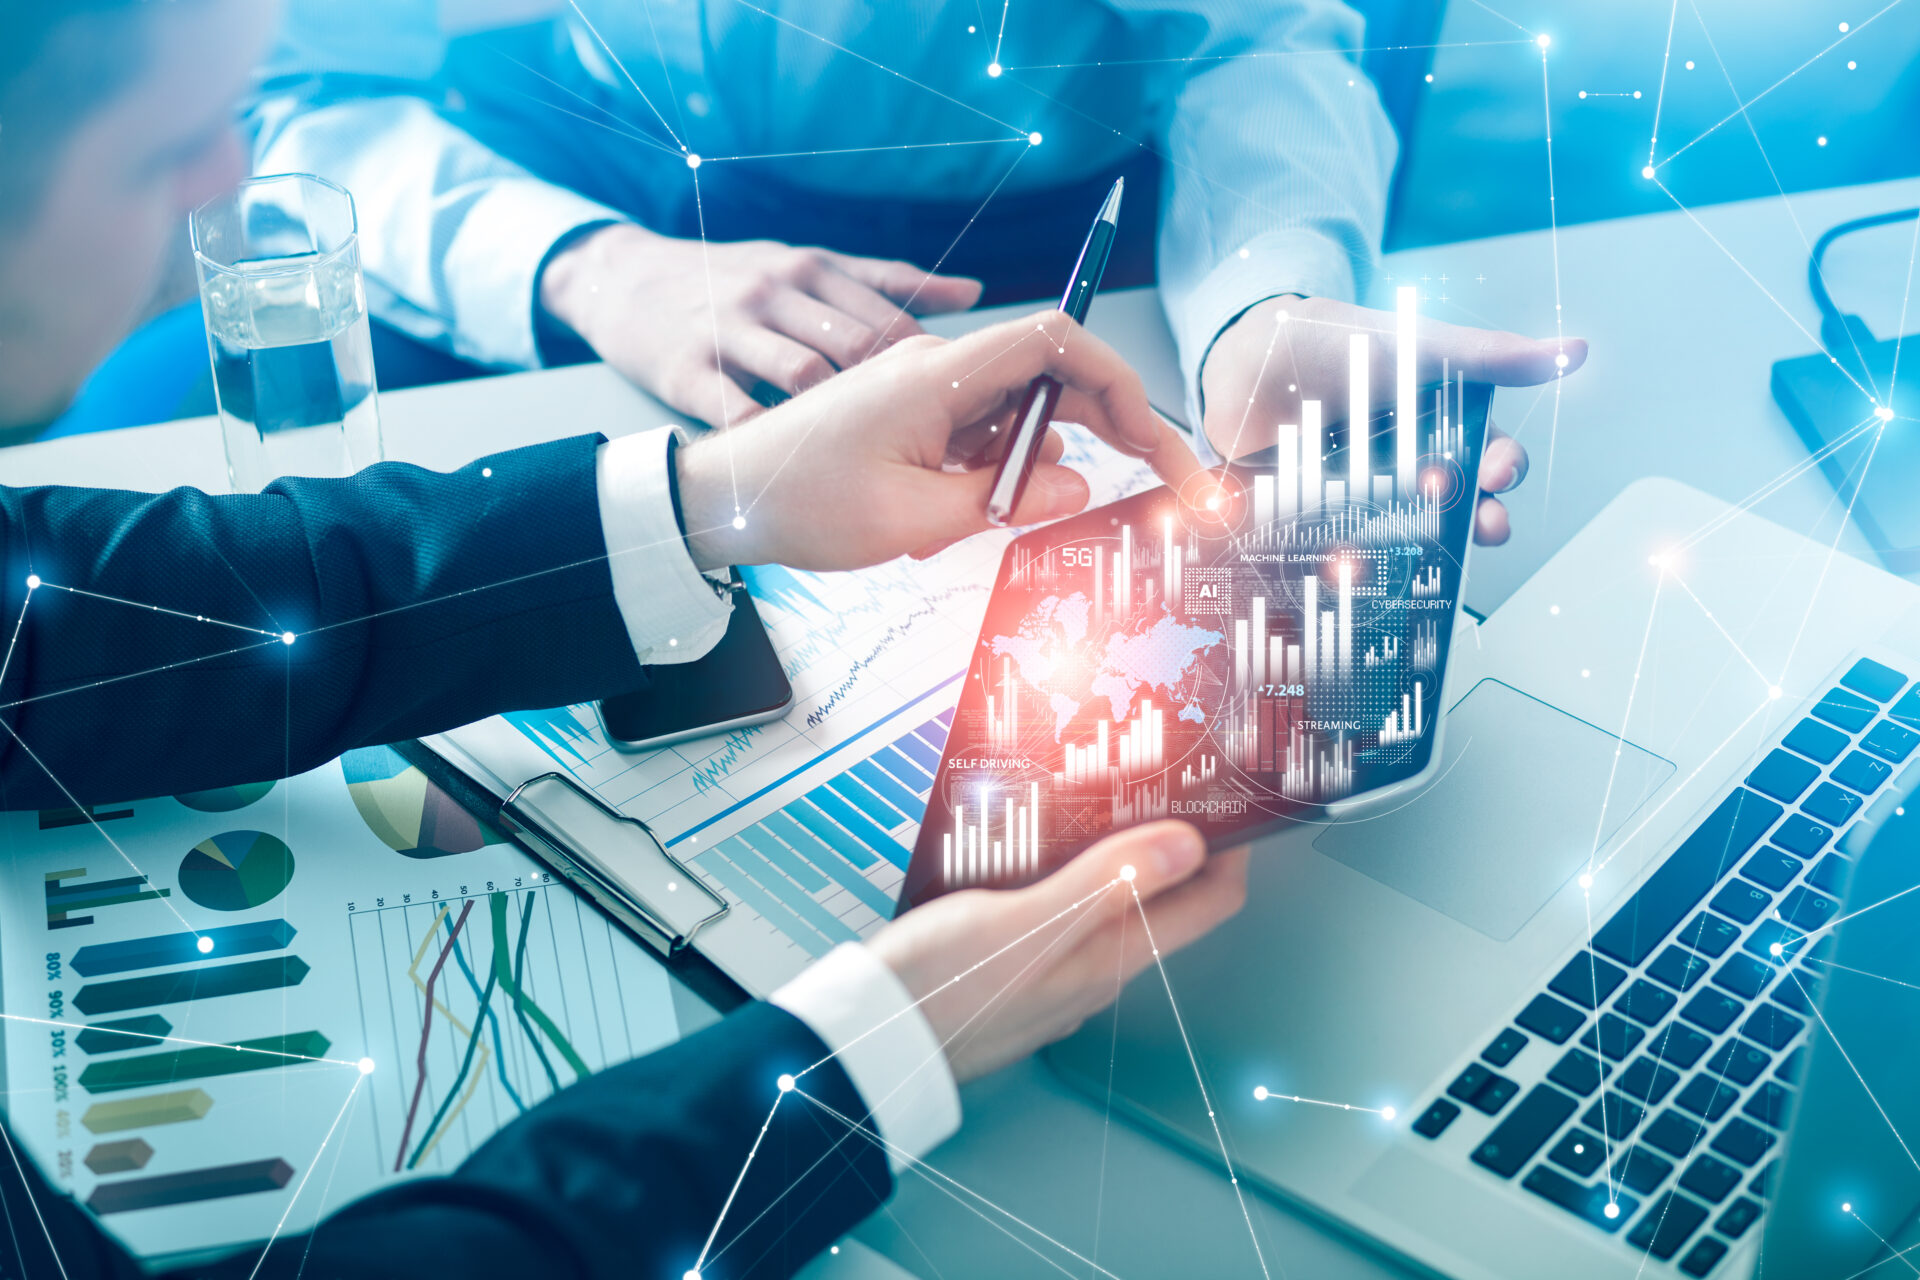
x=671, y=610
x=860, y=1010
x=1277, y=262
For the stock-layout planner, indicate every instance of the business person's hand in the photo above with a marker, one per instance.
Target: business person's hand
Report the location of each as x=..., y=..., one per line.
x=883, y=460
x=999, y=973
x=699, y=325
x=1250, y=378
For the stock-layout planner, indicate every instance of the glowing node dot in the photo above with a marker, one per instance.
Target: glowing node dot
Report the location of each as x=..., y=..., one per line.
x=1636, y=93
x=1543, y=39
x=834, y=1249
x=1612, y=1211
x=1127, y=872
x=1260, y=1093
x=993, y=68
x=1033, y=139
x=1646, y=171
x=286, y=637
x=1429, y=77
x=1585, y=672
x=1852, y=66
x=1583, y=94
x=739, y=522
x=366, y=1066
x=1884, y=412
x=1689, y=64
x=1820, y=141
x=970, y=31
x=205, y=944
x=693, y=160
x=1777, y=949
x=1561, y=360
x=673, y=642
x=1244, y=252
x=786, y=1084
x=691, y=1275
x=1388, y=1113
x=1579, y=1148
x=1554, y=609
x=1292, y=387
x=487, y=472
x=956, y=386
x=1847, y=1208
x=1843, y=26
x=33, y=581
x=1586, y=881
x=1775, y=691
x=826, y=325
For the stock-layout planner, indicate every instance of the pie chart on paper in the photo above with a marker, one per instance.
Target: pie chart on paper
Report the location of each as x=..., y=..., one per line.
x=224, y=799
x=409, y=814
x=236, y=870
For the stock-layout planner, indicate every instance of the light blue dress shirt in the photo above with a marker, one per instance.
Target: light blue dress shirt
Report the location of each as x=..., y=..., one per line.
x=476, y=134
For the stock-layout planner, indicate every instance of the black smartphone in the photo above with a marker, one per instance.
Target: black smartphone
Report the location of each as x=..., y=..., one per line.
x=738, y=683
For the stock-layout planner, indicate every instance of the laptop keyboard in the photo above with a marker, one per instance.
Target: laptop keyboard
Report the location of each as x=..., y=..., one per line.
x=1674, y=1039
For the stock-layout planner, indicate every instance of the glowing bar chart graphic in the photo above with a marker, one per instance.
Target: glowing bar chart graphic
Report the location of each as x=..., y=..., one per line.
x=970, y=852
x=185, y=947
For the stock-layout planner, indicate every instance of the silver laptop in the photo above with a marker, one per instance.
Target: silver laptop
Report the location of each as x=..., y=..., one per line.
x=1573, y=1001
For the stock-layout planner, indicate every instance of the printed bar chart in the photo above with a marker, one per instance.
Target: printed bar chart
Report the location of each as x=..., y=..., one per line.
x=215, y=1183
x=122, y=1155
x=200, y=1063
x=190, y=984
x=124, y=1033
x=176, y=1107
x=185, y=947
x=64, y=900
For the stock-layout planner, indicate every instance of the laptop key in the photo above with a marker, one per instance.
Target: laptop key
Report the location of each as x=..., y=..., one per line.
x=1722, y=839
x=1713, y=1010
x=1743, y=975
x=1505, y=1045
x=1789, y=1068
x=1830, y=874
x=1645, y=1003
x=1816, y=741
x=1550, y=1019
x=1891, y=742
x=1771, y=868
x=1801, y=835
x=1495, y=1094
x=1579, y=1071
x=1844, y=710
x=1576, y=1198
x=1743, y=1142
x=1739, y=1061
x=1678, y=1046
x=1613, y=1036
x=1740, y=1215
x=1806, y=910
x=1434, y=1120
x=1709, y=934
x=1673, y=1133
x=1469, y=1082
x=1877, y=680
x=1666, y=1224
x=1578, y=1151
x=1706, y=1097
x=1712, y=1180
x=1907, y=710
x=1770, y=1104
x=1763, y=1181
x=1797, y=991
x=1861, y=772
x=1524, y=1131
x=1641, y=1170
x=1700, y=1259
x=1678, y=969
x=1783, y=775
x=1766, y=934
x=1647, y=1082
x=1613, y=1115
x=1771, y=1026
x=1587, y=980
x=1831, y=805
x=1738, y=900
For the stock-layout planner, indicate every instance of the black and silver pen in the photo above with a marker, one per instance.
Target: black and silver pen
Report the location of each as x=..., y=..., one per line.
x=1043, y=393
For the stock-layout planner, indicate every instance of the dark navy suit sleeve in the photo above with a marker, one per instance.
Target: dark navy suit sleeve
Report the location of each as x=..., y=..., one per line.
x=150, y=662
x=623, y=1175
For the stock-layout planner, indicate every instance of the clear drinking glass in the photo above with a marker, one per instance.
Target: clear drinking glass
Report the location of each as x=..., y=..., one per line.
x=286, y=314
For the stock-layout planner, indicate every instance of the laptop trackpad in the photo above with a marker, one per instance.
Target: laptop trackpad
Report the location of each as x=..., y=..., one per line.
x=1510, y=819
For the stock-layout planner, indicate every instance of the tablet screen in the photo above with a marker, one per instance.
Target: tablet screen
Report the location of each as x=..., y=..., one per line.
x=1265, y=644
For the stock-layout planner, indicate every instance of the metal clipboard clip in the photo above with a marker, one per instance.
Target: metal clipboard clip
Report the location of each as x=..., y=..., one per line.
x=616, y=860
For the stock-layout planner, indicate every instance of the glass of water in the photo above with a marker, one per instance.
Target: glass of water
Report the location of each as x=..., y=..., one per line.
x=286, y=315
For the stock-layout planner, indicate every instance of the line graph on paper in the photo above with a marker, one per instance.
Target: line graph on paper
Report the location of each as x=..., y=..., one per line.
x=492, y=1001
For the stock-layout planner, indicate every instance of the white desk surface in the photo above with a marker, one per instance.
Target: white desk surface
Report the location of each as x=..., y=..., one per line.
x=1683, y=341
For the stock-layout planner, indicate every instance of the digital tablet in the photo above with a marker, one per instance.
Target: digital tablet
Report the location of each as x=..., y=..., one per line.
x=1264, y=647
